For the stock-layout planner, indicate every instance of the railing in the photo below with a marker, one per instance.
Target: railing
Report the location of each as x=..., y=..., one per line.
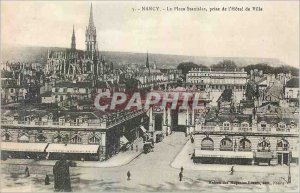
x=105, y=123
x=206, y=128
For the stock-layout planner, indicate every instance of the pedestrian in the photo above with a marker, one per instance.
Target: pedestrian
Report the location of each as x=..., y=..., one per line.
x=128, y=175
x=180, y=176
x=181, y=169
x=232, y=170
x=27, y=172
x=137, y=147
x=47, y=180
x=192, y=139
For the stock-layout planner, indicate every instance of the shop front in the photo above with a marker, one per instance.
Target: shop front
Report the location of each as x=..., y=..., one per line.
x=223, y=157
x=74, y=152
x=23, y=150
x=264, y=158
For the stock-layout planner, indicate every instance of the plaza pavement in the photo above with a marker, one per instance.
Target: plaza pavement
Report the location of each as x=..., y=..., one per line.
x=150, y=172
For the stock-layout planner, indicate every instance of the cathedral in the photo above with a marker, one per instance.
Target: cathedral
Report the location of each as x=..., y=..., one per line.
x=69, y=63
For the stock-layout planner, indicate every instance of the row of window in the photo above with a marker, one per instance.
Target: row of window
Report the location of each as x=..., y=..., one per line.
x=57, y=138
x=243, y=145
x=71, y=90
x=262, y=125
x=218, y=74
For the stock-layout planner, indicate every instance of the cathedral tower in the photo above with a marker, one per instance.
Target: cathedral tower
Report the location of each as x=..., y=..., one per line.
x=73, y=44
x=91, y=36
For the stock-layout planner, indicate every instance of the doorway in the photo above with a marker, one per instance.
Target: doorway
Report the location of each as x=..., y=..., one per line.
x=283, y=158
x=158, y=122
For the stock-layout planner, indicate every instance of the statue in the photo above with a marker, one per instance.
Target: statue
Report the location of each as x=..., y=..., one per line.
x=62, y=181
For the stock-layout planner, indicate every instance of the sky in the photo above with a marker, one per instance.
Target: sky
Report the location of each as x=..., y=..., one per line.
x=271, y=33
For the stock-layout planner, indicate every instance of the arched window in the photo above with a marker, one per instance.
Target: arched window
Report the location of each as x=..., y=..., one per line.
x=292, y=125
x=94, y=139
x=244, y=126
x=58, y=138
x=263, y=145
x=282, y=145
x=263, y=126
x=76, y=138
x=226, y=125
x=6, y=136
x=207, y=144
x=23, y=137
x=245, y=145
x=281, y=126
x=226, y=144
x=40, y=137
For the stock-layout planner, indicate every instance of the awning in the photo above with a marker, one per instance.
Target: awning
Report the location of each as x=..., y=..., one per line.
x=72, y=148
x=267, y=155
x=223, y=154
x=143, y=129
x=28, y=147
x=123, y=140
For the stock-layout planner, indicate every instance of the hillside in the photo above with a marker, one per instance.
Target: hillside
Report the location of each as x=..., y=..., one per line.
x=39, y=54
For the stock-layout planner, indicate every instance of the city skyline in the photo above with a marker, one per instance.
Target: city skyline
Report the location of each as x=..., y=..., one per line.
x=181, y=33
x=77, y=116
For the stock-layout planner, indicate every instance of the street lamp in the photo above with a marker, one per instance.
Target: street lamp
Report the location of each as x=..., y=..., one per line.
x=289, y=176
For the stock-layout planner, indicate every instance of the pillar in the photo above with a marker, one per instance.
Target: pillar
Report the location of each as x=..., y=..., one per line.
x=169, y=121
x=164, y=127
x=151, y=127
x=193, y=121
x=187, y=122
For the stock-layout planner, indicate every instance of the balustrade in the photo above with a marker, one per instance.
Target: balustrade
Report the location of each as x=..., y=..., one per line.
x=207, y=128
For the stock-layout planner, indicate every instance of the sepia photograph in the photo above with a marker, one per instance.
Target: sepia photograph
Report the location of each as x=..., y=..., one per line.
x=149, y=96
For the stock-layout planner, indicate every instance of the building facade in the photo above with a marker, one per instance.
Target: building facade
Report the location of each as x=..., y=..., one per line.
x=80, y=135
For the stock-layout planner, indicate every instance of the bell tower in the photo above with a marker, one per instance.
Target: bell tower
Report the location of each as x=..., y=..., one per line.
x=91, y=36
x=73, y=44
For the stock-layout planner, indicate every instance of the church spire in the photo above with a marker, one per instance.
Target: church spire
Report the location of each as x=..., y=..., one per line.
x=91, y=36
x=147, y=62
x=73, y=44
x=91, y=21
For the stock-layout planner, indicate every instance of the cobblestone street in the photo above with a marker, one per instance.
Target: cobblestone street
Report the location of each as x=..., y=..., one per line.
x=145, y=177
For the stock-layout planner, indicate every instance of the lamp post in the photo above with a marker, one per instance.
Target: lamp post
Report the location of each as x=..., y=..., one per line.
x=289, y=176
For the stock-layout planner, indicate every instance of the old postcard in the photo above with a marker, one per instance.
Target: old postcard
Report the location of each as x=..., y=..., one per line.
x=149, y=96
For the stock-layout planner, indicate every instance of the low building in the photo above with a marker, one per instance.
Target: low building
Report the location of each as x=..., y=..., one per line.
x=47, y=98
x=46, y=134
x=215, y=81
x=247, y=139
x=68, y=90
x=291, y=91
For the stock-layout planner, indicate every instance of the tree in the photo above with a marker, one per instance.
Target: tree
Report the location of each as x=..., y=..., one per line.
x=131, y=85
x=225, y=65
x=267, y=69
x=185, y=67
x=252, y=91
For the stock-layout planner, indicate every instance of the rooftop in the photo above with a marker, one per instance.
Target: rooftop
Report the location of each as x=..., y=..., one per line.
x=69, y=84
x=293, y=83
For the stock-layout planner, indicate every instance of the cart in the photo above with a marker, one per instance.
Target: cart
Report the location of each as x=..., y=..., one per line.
x=147, y=147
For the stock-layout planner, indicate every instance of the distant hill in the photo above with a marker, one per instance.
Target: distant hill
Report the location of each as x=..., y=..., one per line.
x=39, y=55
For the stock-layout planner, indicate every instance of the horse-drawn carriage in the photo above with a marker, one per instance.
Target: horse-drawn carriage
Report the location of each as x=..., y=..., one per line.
x=148, y=146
